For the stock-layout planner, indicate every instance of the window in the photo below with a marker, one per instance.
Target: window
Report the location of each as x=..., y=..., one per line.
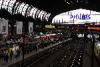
x=41, y=14
x=21, y=8
x=24, y=9
x=31, y=12
x=28, y=11
x=47, y=16
x=15, y=7
x=37, y=13
x=34, y=12
x=11, y=5
x=4, y=4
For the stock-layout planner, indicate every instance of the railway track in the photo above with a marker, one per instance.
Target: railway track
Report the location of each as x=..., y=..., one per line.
x=71, y=58
x=48, y=53
x=63, y=55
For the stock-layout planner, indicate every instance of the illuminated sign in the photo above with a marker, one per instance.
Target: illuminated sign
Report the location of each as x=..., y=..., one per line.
x=80, y=16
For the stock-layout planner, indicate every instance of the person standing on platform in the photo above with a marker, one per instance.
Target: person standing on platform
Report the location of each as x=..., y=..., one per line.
x=37, y=45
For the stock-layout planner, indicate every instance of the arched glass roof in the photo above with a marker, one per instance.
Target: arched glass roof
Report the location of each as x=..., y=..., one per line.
x=78, y=16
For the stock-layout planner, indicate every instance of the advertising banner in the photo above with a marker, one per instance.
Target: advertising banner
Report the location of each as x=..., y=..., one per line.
x=19, y=26
x=3, y=26
x=30, y=27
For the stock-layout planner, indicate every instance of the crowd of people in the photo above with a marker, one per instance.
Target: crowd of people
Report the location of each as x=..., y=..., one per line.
x=11, y=47
x=9, y=50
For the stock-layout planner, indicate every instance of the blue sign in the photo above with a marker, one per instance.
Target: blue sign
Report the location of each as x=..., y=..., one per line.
x=80, y=17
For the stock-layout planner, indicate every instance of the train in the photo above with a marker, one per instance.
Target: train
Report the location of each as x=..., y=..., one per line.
x=48, y=37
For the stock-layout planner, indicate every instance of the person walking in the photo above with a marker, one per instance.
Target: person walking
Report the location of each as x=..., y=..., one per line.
x=10, y=53
x=6, y=56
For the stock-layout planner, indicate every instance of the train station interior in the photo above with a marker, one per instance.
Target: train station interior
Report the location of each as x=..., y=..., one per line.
x=49, y=33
